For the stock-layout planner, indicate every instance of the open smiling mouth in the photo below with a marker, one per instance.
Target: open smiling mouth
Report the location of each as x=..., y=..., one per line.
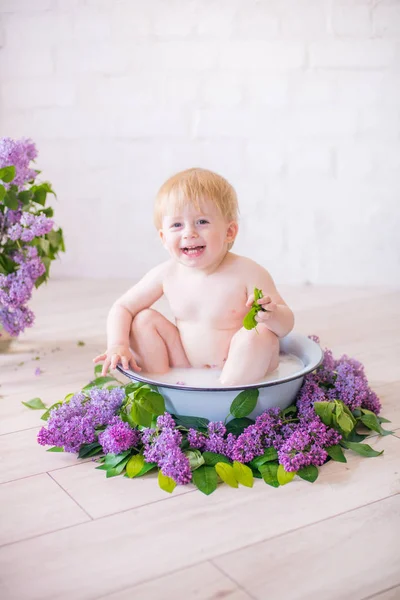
x=193, y=250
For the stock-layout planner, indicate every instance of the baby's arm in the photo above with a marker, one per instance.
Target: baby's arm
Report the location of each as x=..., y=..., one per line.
x=119, y=320
x=277, y=316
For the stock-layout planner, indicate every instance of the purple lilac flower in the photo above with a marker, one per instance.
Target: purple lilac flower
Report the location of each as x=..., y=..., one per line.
x=269, y=425
x=71, y=434
x=16, y=289
x=159, y=445
x=104, y=404
x=307, y=445
x=372, y=402
x=177, y=466
x=196, y=439
x=18, y=153
x=320, y=433
x=215, y=443
x=247, y=445
x=165, y=421
x=216, y=427
x=14, y=320
x=118, y=437
x=164, y=449
x=351, y=385
x=74, y=422
x=299, y=451
x=309, y=393
x=29, y=227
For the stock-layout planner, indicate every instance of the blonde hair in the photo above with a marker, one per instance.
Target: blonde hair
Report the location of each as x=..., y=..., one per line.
x=192, y=187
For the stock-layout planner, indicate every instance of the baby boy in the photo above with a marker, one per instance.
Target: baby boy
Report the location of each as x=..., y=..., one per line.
x=209, y=290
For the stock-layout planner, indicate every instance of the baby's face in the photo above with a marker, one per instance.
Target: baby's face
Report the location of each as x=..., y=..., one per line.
x=197, y=239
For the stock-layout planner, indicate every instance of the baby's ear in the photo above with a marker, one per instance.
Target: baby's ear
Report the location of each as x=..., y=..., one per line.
x=161, y=234
x=232, y=231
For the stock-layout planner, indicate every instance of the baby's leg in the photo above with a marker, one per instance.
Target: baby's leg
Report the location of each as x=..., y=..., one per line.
x=156, y=342
x=251, y=356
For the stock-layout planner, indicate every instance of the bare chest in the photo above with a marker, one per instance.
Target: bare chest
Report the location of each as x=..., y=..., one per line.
x=215, y=302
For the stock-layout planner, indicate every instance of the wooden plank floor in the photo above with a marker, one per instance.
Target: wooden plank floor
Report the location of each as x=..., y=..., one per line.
x=68, y=533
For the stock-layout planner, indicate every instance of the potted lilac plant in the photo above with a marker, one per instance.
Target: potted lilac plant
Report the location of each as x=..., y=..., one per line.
x=29, y=240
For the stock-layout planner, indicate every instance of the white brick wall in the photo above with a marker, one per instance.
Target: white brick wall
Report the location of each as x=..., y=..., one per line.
x=296, y=102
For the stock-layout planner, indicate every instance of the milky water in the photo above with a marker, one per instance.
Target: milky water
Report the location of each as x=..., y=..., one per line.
x=288, y=364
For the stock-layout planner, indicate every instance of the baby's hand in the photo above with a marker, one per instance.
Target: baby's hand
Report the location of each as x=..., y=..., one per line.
x=267, y=307
x=114, y=355
x=261, y=309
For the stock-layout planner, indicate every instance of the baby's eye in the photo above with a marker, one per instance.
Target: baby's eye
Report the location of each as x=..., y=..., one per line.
x=202, y=221
x=176, y=225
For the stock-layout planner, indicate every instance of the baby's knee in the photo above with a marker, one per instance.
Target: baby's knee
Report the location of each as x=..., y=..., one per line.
x=261, y=336
x=144, y=319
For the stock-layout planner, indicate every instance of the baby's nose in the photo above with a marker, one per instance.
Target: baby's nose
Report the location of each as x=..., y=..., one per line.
x=190, y=232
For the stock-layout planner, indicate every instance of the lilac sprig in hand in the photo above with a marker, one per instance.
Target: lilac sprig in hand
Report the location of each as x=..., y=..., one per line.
x=261, y=310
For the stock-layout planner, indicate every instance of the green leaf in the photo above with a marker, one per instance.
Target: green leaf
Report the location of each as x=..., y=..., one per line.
x=25, y=197
x=112, y=460
x=212, y=458
x=205, y=479
x=101, y=468
x=256, y=472
x=290, y=410
x=370, y=420
x=195, y=458
x=243, y=474
x=345, y=423
x=97, y=370
x=87, y=450
x=35, y=404
x=336, y=453
x=10, y=200
x=134, y=465
x=353, y=436
x=189, y=422
x=249, y=321
x=237, y=426
x=324, y=410
x=244, y=403
x=226, y=473
x=309, y=473
x=2, y=192
x=153, y=402
x=348, y=412
x=44, y=245
x=130, y=388
x=140, y=415
x=269, y=472
x=146, y=468
x=39, y=195
x=283, y=476
x=269, y=455
x=55, y=449
x=117, y=470
x=7, y=174
x=98, y=382
x=45, y=416
x=166, y=483
x=362, y=449
x=383, y=420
